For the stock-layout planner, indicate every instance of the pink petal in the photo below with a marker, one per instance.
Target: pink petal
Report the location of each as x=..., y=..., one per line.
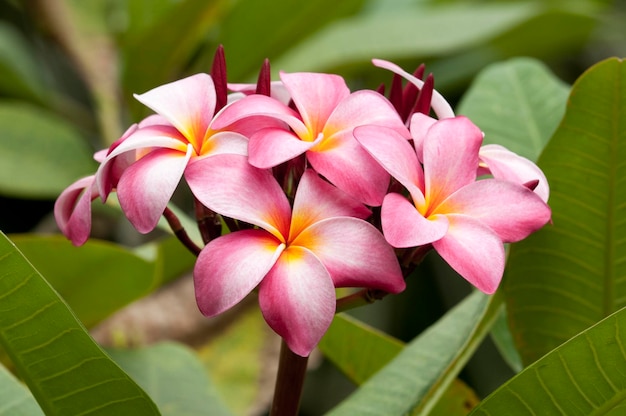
x=315, y=96
x=231, y=266
x=278, y=90
x=72, y=210
x=257, y=105
x=189, y=104
x=511, y=210
x=394, y=153
x=362, y=108
x=316, y=200
x=147, y=185
x=297, y=298
x=225, y=142
x=420, y=123
x=439, y=104
x=271, y=147
x=403, y=225
x=349, y=167
x=229, y=185
x=450, y=157
x=474, y=251
x=354, y=252
x=506, y=165
x=132, y=148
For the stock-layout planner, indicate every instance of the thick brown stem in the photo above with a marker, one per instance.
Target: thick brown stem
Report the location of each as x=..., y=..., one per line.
x=180, y=232
x=289, y=382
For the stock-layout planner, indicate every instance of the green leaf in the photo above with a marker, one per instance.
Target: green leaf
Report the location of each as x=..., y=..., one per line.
x=40, y=154
x=423, y=31
x=160, y=52
x=518, y=104
x=584, y=376
x=15, y=399
x=289, y=21
x=174, y=377
x=503, y=340
x=416, y=379
x=357, y=349
x=66, y=370
x=570, y=274
x=19, y=72
x=96, y=279
x=240, y=356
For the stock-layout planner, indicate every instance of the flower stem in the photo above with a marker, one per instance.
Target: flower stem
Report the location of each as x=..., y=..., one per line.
x=361, y=298
x=289, y=382
x=180, y=232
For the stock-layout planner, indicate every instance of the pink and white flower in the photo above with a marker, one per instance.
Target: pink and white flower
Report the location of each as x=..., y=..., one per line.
x=321, y=128
x=296, y=257
x=466, y=221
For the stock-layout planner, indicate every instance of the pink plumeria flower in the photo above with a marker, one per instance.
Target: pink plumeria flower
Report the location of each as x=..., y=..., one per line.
x=297, y=258
x=322, y=129
x=181, y=131
x=466, y=221
x=72, y=209
x=496, y=160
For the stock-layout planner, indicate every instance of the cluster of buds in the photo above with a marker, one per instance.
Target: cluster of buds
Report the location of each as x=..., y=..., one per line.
x=319, y=188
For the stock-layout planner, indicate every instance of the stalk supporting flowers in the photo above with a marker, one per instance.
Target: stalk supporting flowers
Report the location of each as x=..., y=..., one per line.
x=302, y=186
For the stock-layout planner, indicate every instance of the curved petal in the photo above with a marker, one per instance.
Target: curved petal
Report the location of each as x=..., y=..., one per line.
x=147, y=185
x=229, y=185
x=403, y=225
x=513, y=211
x=395, y=155
x=225, y=142
x=439, y=104
x=231, y=266
x=316, y=96
x=278, y=90
x=354, y=252
x=350, y=168
x=474, y=251
x=363, y=108
x=271, y=147
x=450, y=157
x=297, y=298
x=316, y=200
x=257, y=105
x=189, y=104
x=127, y=151
x=506, y=165
x=72, y=210
x=420, y=123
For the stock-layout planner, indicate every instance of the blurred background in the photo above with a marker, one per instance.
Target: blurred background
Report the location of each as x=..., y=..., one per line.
x=68, y=69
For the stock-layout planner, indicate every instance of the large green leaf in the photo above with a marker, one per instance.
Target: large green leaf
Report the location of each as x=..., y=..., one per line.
x=161, y=50
x=289, y=21
x=572, y=273
x=15, y=399
x=517, y=103
x=174, y=377
x=415, y=379
x=96, y=279
x=584, y=376
x=40, y=154
x=357, y=349
x=66, y=370
x=240, y=357
x=19, y=73
x=427, y=31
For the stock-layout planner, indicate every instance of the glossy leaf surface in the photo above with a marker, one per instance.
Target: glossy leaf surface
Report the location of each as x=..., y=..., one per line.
x=571, y=274
x=65, y=369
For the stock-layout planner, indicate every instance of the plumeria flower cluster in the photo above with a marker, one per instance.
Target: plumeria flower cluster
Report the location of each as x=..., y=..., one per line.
x=319, y=187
